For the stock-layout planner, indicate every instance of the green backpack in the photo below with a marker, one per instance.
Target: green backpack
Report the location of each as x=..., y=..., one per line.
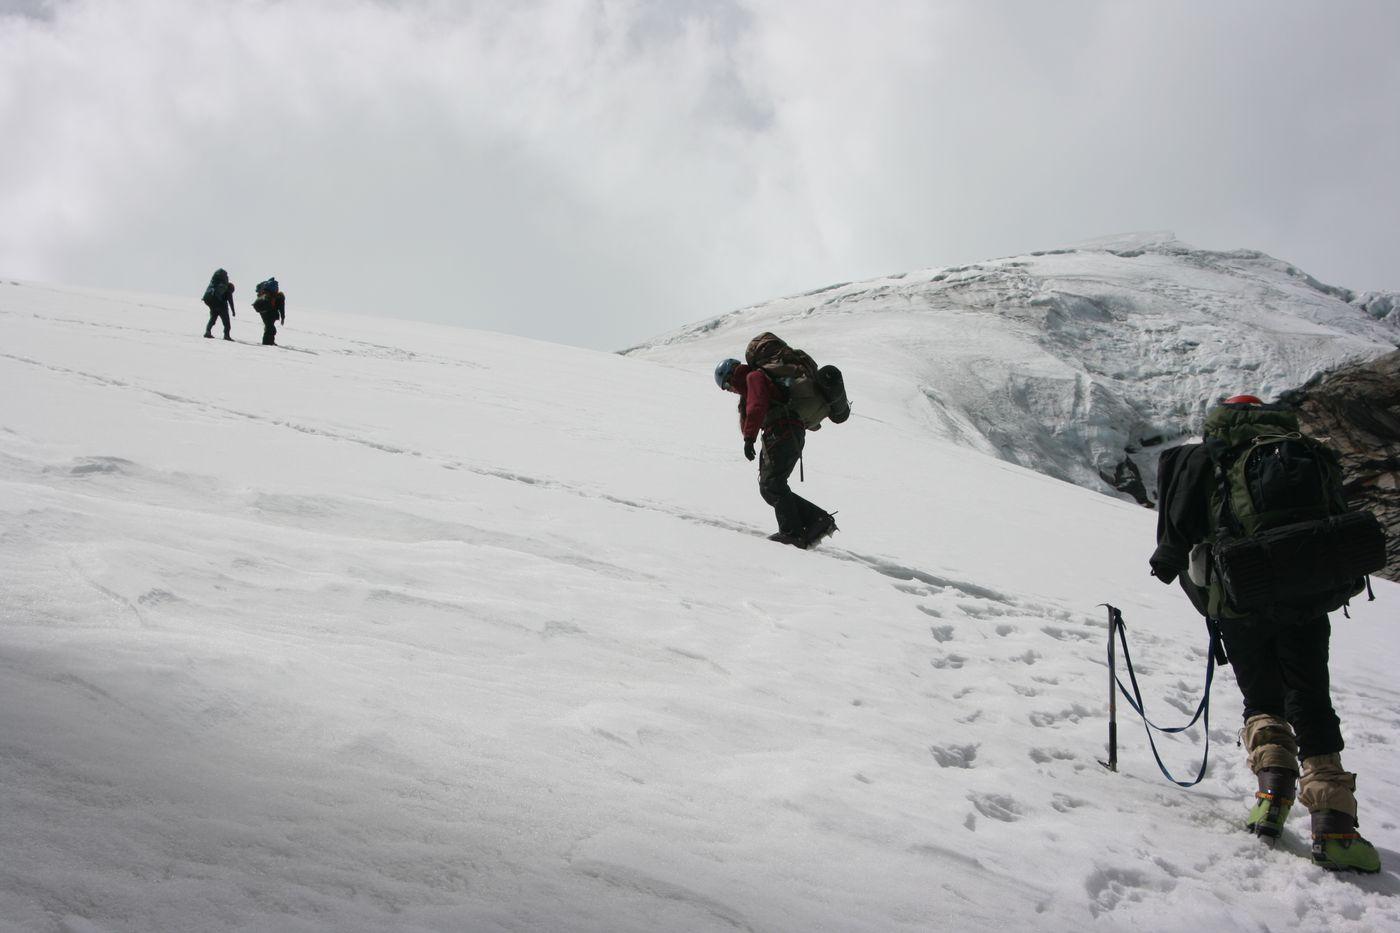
x=1283, y=541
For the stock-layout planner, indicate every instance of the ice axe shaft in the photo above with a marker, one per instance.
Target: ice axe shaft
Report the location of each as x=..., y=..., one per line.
x=1112, y=763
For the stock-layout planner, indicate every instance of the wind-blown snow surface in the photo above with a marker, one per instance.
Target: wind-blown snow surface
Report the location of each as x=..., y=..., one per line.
x=1070, y=360
x=410, y=628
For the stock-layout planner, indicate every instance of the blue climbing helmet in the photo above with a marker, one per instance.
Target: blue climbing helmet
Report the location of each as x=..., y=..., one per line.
x=724, y=370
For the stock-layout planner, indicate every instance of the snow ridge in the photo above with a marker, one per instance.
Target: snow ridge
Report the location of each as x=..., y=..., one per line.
x=1078, y=363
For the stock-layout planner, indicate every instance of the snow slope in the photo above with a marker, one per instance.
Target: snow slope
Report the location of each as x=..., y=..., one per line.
x=1069, y=361
x=403, y=627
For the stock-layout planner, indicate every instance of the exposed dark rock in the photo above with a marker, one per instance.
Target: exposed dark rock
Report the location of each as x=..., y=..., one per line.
x=1356, y=409
x=1128, y=479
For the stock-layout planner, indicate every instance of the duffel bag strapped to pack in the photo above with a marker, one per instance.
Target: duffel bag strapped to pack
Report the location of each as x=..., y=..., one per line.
x=1316, y=564
x=833, y=386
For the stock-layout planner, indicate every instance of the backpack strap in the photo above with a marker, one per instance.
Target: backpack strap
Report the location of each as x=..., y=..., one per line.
x=1219, y=453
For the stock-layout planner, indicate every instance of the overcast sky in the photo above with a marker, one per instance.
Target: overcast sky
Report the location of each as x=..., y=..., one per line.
x=596, y=172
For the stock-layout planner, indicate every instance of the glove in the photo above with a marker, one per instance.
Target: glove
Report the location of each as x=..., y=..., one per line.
x=748, y=449
x=233, y=312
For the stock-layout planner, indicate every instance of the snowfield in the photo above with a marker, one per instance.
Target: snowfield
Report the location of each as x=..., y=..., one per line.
x=402, y=627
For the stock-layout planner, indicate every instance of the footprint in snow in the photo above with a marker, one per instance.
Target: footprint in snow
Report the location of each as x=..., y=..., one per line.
x=1063, y=634
x=1047, y=755
x=1109, y=887
x=907, y=574
x=1074, y=713
x=89, y=465
x=997, y=806
x=983, y=611
x=1064, y=803
x=954, y=756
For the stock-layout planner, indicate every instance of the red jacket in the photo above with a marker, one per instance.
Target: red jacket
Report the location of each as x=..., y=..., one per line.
x=756, y=394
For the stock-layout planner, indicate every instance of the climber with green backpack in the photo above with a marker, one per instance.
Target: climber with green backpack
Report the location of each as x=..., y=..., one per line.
x=783, y=394
x=1254, y=523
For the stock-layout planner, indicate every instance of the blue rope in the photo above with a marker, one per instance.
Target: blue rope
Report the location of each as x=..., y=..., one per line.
x=1115, y=621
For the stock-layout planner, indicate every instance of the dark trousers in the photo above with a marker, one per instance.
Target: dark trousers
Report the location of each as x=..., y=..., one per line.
x=1282, y=671
x=270, y=329
x=781, y=451
x=217, y=314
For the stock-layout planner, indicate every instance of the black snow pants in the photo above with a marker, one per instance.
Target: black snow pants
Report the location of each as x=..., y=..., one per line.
x=217, y=314
x=1282, y=669
x=269, y=320
x=1282, y=672
x=781, y=451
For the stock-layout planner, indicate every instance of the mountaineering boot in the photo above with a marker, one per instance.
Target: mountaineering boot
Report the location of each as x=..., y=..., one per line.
x=209, y=335
x=782, y=537
x=1337, y=846
x=823, y=526
x=1272, y=802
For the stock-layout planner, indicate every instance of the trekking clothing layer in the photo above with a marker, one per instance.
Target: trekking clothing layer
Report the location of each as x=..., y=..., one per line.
x=1270, y=744
x=1325, y=785
x=220, y=312
x=1185, y=477
x=1282, y=672
x=762, y=404
x=781, y=451
x=217, y=315
x=271, y=308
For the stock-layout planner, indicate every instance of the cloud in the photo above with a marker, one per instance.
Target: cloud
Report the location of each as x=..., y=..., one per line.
x=596, y=171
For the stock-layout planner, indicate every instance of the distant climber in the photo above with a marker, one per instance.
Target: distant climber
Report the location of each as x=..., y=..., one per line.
x=1255, y=524
x=218, y=296
x=782, y=394
x=271, y=305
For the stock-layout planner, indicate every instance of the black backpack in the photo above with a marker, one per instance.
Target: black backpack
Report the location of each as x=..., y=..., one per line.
x=1283, y=539
x=216, y=294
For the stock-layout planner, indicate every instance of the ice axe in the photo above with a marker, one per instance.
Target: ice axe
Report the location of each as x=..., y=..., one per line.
x=1113, y=622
